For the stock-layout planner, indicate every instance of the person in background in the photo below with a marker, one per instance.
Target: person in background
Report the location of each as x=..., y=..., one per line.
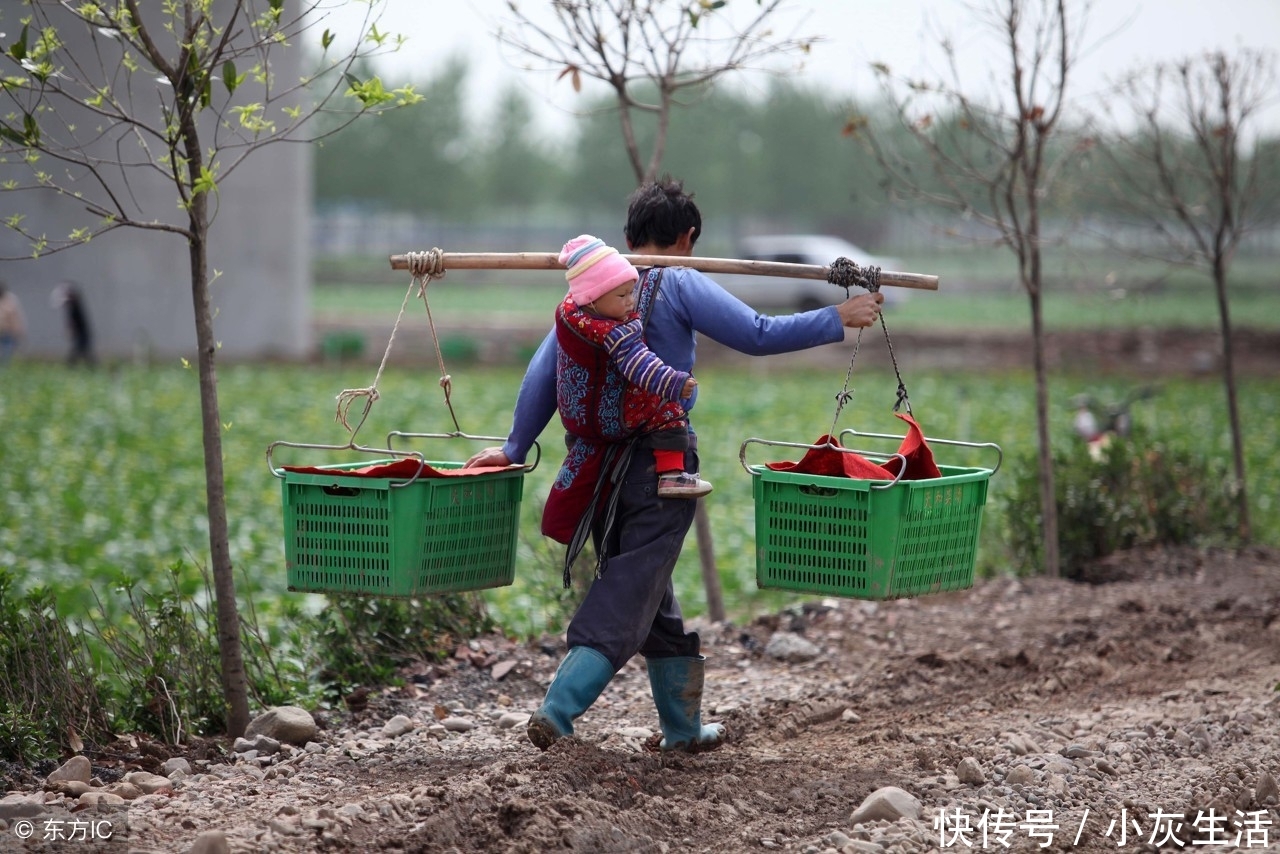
x=13, y=324
x=632, y=607
x=67, y=297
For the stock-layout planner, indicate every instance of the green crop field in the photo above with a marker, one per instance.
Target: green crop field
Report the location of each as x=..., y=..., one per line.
x=102, y=480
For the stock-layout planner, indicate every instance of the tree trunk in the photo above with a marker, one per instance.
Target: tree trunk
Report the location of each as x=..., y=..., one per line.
x=629, y=138
x=1048, y=488
x=235, y=684
x=1233, y=407
x=707, y=557
x=660, y=137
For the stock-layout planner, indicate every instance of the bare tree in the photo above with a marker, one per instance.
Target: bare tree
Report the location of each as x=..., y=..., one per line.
x=649, y=52
x=994, y=160
x=1191, y=171
x=180, y=92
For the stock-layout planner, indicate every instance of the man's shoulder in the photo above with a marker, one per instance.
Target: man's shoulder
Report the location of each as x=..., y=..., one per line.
x=686, y=279
x=685, y=287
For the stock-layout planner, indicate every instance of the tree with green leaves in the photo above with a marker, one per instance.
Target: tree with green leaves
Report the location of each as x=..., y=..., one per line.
x=1192, y=168
x=991, y=159
x=102, y=98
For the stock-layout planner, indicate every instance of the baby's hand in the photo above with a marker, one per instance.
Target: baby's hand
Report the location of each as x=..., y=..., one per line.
x=689, y=385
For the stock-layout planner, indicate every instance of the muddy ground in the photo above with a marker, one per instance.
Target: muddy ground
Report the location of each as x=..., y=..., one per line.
x=1123, y=707
x=900, y=694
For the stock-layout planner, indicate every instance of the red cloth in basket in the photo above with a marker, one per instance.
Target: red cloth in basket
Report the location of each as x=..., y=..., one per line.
x=399, y=470
x=833, y=462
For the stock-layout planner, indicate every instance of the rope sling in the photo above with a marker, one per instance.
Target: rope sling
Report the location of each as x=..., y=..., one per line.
x=839, y=523
x=847, y=274
x=423, y=267
x=405, y=527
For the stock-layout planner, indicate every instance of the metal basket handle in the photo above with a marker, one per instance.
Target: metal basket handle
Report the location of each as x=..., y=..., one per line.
x=742, y=456
x=350, y=446
x=457, y=434
x=956, y=442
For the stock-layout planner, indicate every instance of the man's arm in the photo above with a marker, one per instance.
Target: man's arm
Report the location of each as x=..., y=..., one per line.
x=719, y=315
x=714, y=312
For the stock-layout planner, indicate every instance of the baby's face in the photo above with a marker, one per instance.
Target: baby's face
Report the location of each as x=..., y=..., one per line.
x=618, y=303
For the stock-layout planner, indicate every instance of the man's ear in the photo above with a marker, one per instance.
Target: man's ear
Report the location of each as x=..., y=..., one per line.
x=684, y=242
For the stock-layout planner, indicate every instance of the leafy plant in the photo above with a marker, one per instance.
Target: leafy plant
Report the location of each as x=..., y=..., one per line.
x=164, y=662
x=541, y=604
x=49, y=695
x=280, y=656
x=161, y=659
x=24, y=736
x=365, y=641
x=99, y=478
x=1137, y=491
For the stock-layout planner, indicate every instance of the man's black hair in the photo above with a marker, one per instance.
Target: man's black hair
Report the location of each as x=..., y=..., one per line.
x=659, y=212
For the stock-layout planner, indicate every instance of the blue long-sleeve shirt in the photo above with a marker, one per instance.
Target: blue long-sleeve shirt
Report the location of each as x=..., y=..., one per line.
x=688, y=302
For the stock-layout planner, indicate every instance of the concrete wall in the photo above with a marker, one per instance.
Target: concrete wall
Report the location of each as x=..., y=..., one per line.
x=137, y=284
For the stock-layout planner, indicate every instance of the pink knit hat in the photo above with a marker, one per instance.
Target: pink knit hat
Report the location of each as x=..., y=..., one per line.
x=595, y=268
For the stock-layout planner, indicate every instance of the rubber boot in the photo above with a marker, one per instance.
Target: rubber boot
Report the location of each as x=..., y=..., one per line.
x=579, y=679
x=677, y=692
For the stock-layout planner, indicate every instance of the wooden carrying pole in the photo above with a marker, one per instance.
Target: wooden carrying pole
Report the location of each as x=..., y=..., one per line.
x=551, y=261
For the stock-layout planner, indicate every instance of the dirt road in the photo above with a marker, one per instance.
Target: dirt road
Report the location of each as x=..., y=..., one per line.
x=1082, y=718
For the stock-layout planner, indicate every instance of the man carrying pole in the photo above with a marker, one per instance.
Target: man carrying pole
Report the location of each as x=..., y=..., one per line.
x=632, y=607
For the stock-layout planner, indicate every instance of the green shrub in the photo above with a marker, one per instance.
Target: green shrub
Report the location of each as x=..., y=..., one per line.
x=365, y=640
x=164, y=662
x=49, y=695
x=1136, y=491
x=538, y=604
x=156, y=668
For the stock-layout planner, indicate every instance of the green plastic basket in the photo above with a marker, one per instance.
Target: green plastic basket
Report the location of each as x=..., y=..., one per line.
x=842, y=537
x=868, y=539
x=376, y=536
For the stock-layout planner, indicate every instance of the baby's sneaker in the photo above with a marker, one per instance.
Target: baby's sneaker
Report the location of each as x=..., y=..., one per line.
x=682, y=484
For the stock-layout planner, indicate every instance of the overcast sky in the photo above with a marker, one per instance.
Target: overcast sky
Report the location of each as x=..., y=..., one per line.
x=1120, y=35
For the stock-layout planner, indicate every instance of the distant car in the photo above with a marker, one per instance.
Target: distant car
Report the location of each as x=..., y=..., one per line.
x=772, y=293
